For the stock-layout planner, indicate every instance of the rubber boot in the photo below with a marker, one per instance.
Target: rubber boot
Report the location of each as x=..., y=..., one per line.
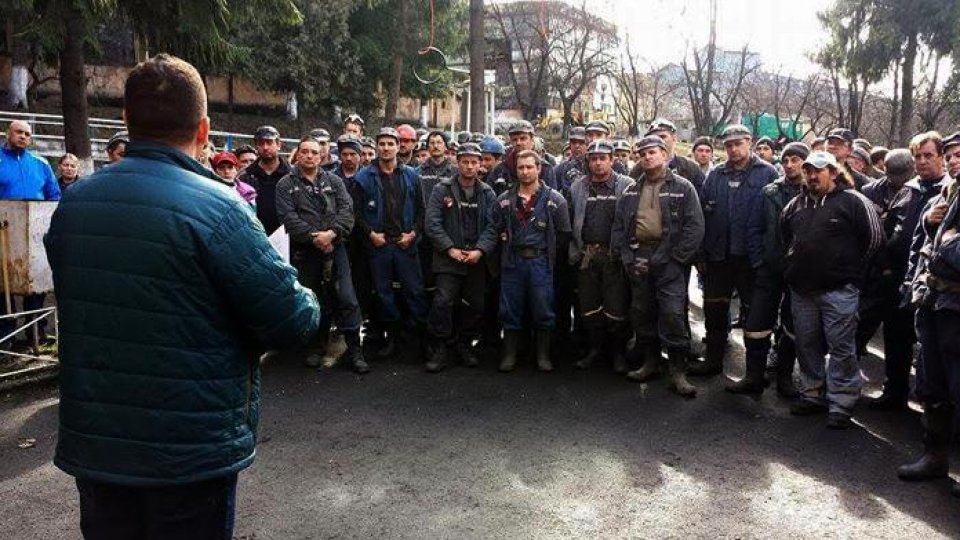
x=678, y=374
x=511, y=341
x=756, y=360
x=354, y=353
x=713, y=360
x=596, y=348
x=786, y=358
x=390, y=343
x=543, y=350
x=651, y=364
x=436, y=355
x=937, y=432
x=620, y=365
x=466, y=352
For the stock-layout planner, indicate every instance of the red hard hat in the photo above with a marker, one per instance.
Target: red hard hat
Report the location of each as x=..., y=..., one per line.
x=220, y=157
x=406, y=131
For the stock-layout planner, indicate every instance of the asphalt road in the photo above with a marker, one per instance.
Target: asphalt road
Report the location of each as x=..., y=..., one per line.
x=478, y=454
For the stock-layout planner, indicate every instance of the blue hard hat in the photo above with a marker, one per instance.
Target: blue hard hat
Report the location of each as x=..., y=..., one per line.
x=491, y=145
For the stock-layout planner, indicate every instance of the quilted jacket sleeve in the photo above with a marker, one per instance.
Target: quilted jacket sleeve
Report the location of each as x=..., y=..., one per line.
x=260, y=289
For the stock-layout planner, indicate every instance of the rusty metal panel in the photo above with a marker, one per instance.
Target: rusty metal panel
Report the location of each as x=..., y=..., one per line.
x=27, y=267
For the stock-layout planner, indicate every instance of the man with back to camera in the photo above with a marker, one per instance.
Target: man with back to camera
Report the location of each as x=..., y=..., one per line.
x=160, y=385
x=264, y=173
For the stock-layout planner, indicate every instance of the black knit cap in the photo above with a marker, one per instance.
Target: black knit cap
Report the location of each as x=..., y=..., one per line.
x=799, y=149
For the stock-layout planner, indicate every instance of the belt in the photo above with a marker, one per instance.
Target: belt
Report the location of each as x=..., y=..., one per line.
x=528, y=252
x=598, y=248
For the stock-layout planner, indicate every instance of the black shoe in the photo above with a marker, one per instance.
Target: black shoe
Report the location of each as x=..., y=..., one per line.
x=436, y=357
x=839, y=420
x=467, y=354
x=889, y=402
x=932, y=464
x=805, y=407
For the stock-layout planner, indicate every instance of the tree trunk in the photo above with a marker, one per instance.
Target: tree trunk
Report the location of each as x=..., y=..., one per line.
x=906, y=90
x=73, y=88
x=19, y=74
x=478, y=102
x=230, y=99
x=396, y=66
x=894, y=106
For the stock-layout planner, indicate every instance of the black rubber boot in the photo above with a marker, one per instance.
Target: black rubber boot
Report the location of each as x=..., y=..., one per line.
x=651, y=364
x=436, y=355
x=713, y=360
x=511, y=341
x=756, y=360
x=354, y=353
x=466, y=352
x=786, y=359
x=937, y=432
x=390, y=344
x=597, y=336
x=678, y=374
x=543, y=350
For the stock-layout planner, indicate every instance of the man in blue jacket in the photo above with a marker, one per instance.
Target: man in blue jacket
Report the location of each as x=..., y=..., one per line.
x=390, y=220
x=24, y=176
x=168, y=291
x=732, y=201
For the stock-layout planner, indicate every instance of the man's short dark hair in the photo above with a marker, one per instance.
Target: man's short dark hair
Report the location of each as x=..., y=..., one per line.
x=529, y=154
x=164, y=100
x=245, y=149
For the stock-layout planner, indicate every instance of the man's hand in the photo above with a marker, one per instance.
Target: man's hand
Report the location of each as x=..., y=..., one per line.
x=948, y=234
x=936, y=214
x=324, y=240
x=406, y=239
x=456, y=254
x=378, y=239
x=473, y=256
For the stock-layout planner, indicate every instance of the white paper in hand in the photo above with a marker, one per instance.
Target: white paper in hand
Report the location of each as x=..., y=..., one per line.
x=281, y=242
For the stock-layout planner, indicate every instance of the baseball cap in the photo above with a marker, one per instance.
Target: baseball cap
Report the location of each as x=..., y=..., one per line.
x=951, y=140
x=349, y=141
x=842, y=134
x=597, y=125
x=224, y=156
x=649, y=142
x=820, y=160
x=389, y=132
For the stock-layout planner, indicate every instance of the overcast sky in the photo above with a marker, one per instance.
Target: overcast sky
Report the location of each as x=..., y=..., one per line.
x=782, y=32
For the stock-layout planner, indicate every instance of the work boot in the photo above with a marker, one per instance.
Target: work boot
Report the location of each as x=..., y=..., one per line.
x=596, y=349
x=889, y=401
x=713, y=360
x=786, y=358
x=678, y=374
x=390, y=342
x=756, y=360
x=806, y=407
x=313, y=360
x=436, y=356
x=467, y=353
x=651, y=364
x=543, y=350
x=937, y=432
x=354, y=353
x=511, y=340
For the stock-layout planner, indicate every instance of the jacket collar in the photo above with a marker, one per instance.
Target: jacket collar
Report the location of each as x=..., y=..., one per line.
x=914, y=183
x=168, y=154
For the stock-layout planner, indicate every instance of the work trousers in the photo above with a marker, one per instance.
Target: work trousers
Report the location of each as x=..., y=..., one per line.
x=826, y=324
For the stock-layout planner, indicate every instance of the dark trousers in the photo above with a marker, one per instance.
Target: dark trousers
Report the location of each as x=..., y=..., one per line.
x=720, y=279
x=458, y=293
x=392, y=263
x=938, y=375
x=201, y=511
x=567, y=310
x=657, y=306
x=769, y=304
x=329, y=278
x=603, y=293
x=898, y=338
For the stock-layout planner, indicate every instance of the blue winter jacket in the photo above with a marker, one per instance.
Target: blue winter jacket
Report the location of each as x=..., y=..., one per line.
x=732, y=204
x=26, y=176
x=167, y=290
x=370, y=206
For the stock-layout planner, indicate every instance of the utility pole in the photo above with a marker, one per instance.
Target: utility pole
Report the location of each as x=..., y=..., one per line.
x=477, y=49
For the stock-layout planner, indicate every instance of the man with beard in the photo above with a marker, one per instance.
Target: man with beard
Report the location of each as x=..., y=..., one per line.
x=503, y=177
x=368, y=152
x=460, y=227
x=264, y=173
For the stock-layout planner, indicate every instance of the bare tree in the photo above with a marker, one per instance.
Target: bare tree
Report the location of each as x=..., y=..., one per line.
x=528, y=46
x=477, y=48
x=581, y=53
x=643, y=92
x=936, y=98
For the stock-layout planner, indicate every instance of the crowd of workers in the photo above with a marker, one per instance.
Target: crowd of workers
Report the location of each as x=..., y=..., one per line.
x=458, y=242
